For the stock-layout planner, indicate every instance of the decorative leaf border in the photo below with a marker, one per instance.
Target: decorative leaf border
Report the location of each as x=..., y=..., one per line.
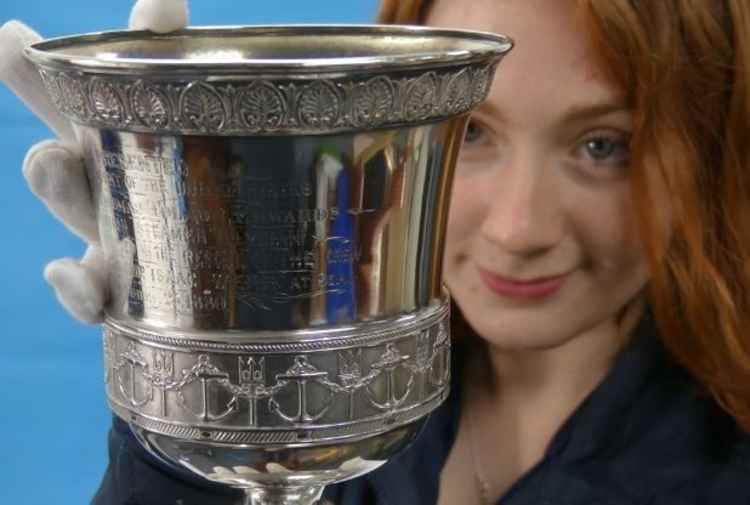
x=266, y=106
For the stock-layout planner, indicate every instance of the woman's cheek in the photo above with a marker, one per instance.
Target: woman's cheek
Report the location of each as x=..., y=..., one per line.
x=609, y=234
x=465, y=209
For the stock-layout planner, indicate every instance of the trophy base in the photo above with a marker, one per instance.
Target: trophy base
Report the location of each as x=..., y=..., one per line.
x=284, y=496
x=279, y=475
x=280, y=415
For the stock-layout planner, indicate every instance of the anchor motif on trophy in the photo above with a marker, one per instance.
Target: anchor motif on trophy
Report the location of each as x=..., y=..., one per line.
x=162, y=376
x=134, y=362
x=302, y=373
x=252, y=385
x=441, y=350
x=423, y=360
x=387, y=365
x=350, y=378
x=205, y=373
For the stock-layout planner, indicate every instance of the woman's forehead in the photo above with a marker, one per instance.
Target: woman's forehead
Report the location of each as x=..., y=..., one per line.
x=533, y=24
x=500, y=15
x=551, y=64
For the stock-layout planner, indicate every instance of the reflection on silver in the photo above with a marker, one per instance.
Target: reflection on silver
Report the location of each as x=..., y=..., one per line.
x=272, y=202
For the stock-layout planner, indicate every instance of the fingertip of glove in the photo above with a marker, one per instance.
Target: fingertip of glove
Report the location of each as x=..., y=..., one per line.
x=77, y=289
x=11, y=28
x=14, y=37
x=55, y=269
x=160, y=16
x=50, y=145
x=16, y=30
x=38, y=160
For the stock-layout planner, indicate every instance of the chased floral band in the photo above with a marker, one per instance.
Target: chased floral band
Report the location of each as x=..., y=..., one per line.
x=266, y=106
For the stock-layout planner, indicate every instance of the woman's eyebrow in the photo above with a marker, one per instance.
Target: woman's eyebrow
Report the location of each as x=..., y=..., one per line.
x=585, y=111
x=490, y=109
x=574, y=114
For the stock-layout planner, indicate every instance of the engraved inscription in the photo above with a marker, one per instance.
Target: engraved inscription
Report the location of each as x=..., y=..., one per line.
x=139, y=162
x=266, y=190
x=208, y=240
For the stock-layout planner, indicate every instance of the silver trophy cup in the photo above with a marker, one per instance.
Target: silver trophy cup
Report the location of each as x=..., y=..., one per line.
x=272, y=202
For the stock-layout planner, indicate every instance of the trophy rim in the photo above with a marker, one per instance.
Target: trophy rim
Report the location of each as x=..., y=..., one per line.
x=292, y=340
x=466, y=47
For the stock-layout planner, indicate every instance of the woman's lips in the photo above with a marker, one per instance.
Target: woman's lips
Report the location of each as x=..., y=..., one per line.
x=513, y=288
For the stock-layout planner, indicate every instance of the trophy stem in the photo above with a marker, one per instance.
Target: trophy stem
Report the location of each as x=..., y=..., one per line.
x=308, y=495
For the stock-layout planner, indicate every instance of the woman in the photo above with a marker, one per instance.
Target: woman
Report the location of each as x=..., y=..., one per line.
x=609, y=166
x=597, y=251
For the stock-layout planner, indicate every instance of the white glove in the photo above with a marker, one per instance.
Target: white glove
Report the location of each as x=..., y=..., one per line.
x=54, y=168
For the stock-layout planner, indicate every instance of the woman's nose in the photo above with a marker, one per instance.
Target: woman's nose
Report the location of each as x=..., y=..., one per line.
x=524, y=215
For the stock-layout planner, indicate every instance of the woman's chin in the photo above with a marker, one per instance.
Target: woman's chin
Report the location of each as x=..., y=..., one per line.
x=522, y=337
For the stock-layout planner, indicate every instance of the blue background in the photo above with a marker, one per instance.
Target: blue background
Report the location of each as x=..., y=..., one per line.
x=53, y=415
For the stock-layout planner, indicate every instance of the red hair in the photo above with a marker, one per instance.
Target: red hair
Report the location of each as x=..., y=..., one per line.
x=685, y=65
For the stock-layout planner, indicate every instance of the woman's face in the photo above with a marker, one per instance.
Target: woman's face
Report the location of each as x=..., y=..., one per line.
x=541, y=244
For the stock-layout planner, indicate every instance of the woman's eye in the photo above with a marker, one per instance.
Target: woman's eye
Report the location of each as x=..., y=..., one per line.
x=606, y=150
x=474, y=132
x=480, y=147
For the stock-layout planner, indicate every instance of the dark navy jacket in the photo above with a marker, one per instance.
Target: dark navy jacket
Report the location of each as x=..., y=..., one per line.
x=646, y=436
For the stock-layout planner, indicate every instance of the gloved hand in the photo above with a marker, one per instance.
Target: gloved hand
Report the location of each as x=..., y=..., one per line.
x=54, y=168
